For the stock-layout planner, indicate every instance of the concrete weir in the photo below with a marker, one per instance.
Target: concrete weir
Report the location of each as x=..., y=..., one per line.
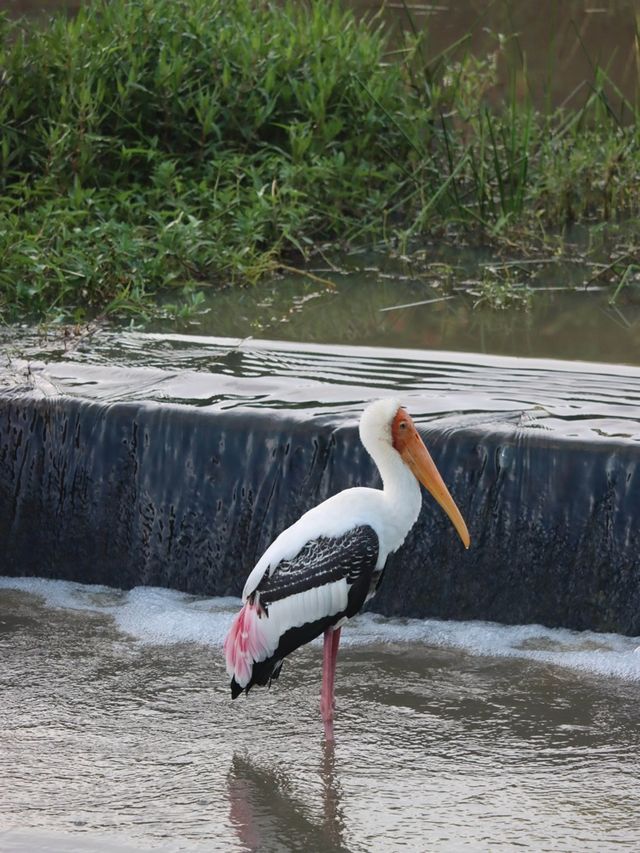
x=174, y=461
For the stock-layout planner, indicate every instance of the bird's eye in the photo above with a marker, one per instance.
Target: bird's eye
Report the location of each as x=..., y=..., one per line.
x=403, y=424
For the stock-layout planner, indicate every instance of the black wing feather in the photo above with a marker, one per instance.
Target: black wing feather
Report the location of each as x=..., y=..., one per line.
x=353, y=556
x=324, y=560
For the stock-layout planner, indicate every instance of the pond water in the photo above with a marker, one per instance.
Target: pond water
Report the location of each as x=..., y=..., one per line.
x=387, y=306
x=560, y=43
x=118, y=732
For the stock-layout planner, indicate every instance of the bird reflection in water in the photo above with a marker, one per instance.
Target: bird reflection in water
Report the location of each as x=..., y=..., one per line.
x=267, y=816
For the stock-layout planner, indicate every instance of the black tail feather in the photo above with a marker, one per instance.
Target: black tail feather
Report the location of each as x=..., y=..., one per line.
x=263, y=674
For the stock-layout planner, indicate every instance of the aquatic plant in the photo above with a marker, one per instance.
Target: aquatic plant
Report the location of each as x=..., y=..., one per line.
x=170, y=145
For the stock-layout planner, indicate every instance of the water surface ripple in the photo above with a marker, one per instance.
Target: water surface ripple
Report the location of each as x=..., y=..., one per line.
x=571, y=399
x=120, y=734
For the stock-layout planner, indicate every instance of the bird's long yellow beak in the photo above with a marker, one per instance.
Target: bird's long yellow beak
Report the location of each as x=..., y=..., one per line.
x=417, y=457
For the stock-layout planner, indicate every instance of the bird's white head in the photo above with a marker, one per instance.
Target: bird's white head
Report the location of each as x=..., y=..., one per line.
x=375, y=423
x=386, y=428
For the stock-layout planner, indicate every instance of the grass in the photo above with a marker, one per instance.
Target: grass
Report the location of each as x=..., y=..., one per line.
x=154, y=146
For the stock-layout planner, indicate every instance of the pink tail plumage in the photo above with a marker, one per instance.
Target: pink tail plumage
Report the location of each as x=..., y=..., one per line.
x=245, y=644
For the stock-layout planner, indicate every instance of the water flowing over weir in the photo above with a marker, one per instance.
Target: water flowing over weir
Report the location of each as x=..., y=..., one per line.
x=174, y=461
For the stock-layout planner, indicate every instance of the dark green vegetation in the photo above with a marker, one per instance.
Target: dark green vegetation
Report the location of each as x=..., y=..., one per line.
x=157, y=145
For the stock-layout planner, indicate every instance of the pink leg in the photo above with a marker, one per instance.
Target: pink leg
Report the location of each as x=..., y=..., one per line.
x=330, y=654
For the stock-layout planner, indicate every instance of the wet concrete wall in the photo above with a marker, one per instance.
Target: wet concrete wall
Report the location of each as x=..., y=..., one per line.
x=144, y=493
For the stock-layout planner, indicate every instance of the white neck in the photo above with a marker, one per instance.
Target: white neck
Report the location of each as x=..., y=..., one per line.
x=401, y=493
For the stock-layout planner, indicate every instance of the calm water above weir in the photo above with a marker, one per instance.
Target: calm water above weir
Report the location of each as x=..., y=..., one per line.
x=118, y=732
x=375, y=307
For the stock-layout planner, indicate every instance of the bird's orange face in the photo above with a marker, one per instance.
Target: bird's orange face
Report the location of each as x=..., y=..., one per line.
x=406, y=440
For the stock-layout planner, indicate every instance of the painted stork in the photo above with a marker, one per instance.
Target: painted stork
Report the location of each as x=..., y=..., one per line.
x=320, y=571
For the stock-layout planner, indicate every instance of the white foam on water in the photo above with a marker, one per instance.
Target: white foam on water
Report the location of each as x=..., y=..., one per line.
x=150, y=614
x=162, y=616
x=589, y=651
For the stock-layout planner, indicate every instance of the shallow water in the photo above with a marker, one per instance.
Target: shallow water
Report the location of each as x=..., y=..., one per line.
x=117, y=731
x=400, y=311
x=440, y=303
